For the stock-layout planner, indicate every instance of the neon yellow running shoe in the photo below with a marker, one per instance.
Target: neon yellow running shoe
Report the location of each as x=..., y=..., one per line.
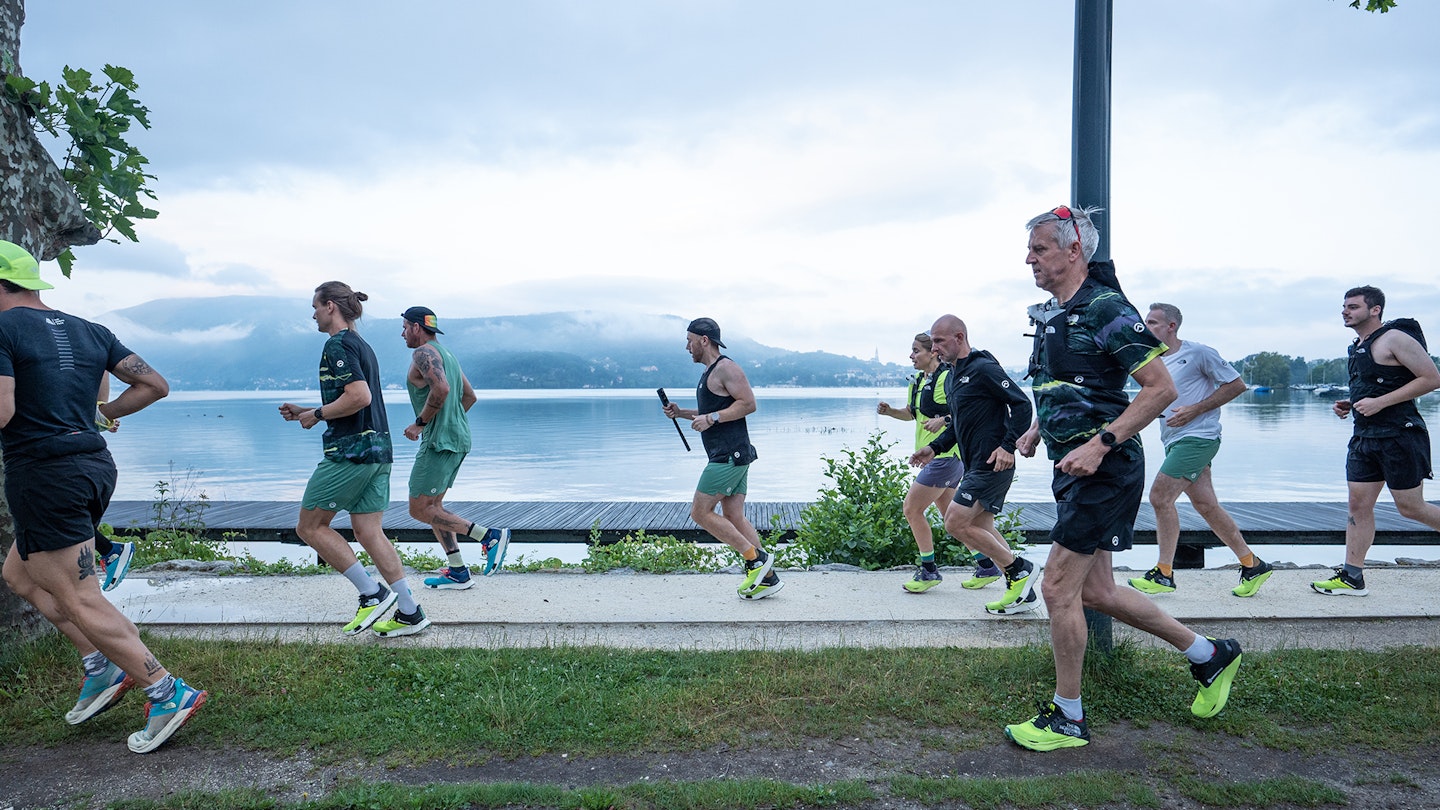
x=1252, y=578
x=769, y=586
x=1049, y=730
x=984, y=575
x=1153, y=582
x=372, y=607
x=755, y=572
x=1342, y=584
x=1019, y=593
x=923, y=581
x=1215, y=677
x=402, y=624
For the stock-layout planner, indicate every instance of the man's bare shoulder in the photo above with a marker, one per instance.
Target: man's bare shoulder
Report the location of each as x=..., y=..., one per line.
x=1395, y=345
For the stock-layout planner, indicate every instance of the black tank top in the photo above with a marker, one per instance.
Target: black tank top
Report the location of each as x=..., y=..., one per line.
x=1371, y=379
x=724, y=441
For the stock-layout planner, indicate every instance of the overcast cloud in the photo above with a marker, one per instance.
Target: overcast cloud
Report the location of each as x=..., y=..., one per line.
x=814, y=175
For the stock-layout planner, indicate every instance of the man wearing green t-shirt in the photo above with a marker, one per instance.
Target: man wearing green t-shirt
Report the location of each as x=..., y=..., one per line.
x=441, y=396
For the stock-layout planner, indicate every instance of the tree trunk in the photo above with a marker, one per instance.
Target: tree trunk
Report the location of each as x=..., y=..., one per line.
x=38, y=208
x=38, y=211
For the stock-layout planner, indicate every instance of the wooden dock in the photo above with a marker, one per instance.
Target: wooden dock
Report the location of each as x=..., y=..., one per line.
x=1293, y=523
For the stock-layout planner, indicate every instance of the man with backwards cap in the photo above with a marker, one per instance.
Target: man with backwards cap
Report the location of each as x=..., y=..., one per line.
x=59, y=477
x=441, y=396
x=725, y=399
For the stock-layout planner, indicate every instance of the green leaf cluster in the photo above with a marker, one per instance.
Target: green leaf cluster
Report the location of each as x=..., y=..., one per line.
x=106, y=171
x=660, y=555
x=860, y=518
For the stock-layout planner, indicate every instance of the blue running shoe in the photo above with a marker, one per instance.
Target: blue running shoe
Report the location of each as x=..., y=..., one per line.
x=496, y=542
x=164, y=719
x=117, y=564
x=99, y=693
x=451, y=579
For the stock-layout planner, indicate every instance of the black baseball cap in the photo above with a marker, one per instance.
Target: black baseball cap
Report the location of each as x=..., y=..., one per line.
x=706, y=327
x=425, y=317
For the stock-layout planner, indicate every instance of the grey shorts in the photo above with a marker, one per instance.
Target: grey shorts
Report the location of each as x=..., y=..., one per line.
x=941, y=473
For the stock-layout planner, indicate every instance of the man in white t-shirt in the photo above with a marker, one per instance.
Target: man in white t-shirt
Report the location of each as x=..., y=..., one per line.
x=1190, y=431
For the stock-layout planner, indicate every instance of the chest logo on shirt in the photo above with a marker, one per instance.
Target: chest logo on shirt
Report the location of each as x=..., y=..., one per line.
x=1072, y=319
x=1138, y=327
x=339, y=363
x=1004, y=383
x=964, y=380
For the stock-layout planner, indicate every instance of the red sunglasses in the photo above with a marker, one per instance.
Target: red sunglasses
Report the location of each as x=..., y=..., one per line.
x=1064, y=213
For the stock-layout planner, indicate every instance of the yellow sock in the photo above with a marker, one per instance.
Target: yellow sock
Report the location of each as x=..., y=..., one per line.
x=1248, y=560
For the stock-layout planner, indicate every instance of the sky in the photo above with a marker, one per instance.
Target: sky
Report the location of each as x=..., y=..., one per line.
x=814, y=174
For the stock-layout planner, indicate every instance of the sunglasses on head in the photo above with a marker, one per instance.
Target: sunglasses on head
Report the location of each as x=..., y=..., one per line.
x=1063, y=212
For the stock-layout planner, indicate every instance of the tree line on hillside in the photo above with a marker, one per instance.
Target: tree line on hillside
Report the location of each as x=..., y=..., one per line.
x=1275, y=370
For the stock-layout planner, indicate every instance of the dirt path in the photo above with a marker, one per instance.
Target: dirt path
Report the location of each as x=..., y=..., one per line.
x=70, y=777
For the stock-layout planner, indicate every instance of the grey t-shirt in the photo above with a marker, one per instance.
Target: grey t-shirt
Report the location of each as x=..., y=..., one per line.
x=1197, y=370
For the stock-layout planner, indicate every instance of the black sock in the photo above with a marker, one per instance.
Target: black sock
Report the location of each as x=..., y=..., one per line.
x=1015, y=569
x=928, y=566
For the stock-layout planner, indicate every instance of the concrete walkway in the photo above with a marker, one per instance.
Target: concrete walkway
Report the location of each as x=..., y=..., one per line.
x=815, y=609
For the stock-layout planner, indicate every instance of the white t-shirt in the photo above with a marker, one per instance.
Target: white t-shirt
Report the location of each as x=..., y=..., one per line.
x=1197, y=370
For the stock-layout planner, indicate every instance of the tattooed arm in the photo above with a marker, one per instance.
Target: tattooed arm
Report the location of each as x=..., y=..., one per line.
x=146, y=387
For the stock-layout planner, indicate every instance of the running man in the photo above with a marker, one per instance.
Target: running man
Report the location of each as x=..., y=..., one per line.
x=59, y=477
x=1190, y=431
x=1390, y=367
x=1088, y=341
x=724, y=399
x=354, y=475
x=935, y=483
x=115, y=556
x=441, y=396
x=988, y=414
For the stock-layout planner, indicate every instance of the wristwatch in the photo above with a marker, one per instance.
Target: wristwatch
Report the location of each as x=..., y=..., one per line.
x=420, y=422
x=1108, y=439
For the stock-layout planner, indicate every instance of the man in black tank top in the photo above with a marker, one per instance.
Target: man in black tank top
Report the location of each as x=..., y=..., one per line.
x=1389, y=368
x=725, y=399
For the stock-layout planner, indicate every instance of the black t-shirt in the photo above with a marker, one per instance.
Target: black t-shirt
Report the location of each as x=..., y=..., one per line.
x=57, y=361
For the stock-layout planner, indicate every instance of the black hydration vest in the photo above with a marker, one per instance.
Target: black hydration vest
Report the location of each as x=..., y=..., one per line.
x=1099, y=370
x=922, y=393
x=1371, y=379
x=724, y=441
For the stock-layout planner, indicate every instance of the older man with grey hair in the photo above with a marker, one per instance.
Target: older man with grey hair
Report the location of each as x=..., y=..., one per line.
x=1089, y=341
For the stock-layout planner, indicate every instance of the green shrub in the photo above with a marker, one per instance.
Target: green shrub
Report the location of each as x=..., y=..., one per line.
x=860, y=519
x=657, y=555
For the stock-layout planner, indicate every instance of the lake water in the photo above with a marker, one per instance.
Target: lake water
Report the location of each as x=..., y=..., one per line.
x=616, y=445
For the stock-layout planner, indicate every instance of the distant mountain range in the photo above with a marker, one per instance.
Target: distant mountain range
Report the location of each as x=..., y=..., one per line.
x=270, y=343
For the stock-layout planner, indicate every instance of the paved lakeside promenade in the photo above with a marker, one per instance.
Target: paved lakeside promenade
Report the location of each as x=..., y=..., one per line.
x=836, y=607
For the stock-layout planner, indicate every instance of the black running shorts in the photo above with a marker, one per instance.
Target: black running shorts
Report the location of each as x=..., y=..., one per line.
x=1097, y=512
x=1402, y=462
x=57, y=502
